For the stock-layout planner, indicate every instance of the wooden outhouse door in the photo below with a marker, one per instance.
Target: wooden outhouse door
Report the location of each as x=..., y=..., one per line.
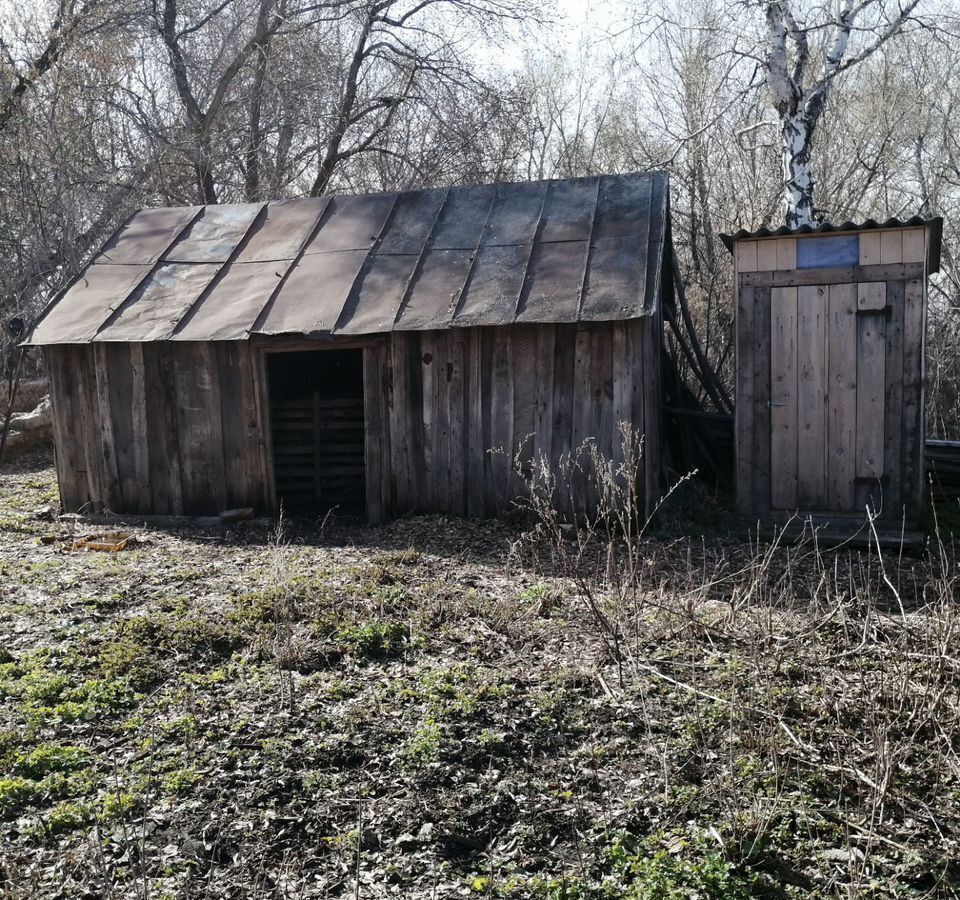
x=836, y=372
x=829, y=412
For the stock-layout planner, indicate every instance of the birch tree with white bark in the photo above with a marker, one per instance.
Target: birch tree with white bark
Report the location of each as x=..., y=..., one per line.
x=802, y=60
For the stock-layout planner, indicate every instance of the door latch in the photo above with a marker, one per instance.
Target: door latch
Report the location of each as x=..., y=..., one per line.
x=772, y=403
x=885, y=311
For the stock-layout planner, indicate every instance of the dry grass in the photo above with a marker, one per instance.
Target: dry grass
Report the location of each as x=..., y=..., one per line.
x=443, y=708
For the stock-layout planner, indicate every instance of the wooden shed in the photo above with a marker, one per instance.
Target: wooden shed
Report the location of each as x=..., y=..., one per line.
x=830, y=328
x=359, y=352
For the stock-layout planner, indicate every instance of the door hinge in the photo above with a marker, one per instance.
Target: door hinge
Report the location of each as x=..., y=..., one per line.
x=773, y=403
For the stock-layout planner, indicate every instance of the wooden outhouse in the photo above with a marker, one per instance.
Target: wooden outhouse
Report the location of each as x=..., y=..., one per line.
x=830, y=328
x=359, y=352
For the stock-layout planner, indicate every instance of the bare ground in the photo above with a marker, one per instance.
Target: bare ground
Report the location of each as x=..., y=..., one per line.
x=428, y=710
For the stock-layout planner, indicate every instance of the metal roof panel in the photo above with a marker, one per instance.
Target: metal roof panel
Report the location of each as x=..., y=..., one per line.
x=413, y=217
x=146, y=235
x=313, y=294
x=435, y=291
x=351, y=223
x=283, y=231
x=373, y=306
x=214, y=234
x=490, y=254
x=515, y=214
x=615, y=287
x=231, y=306
x=154, y=309
x=87, y=304
x=569, y=210
x=623, y=206
x=553, y=292
x=495, y=286
x=462, y=218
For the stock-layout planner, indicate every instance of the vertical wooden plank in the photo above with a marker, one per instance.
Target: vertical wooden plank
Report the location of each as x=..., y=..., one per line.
x=411, y=418
x=842, y=414
x=564, y=381
x=647, y=367
x=582, y=420
x=415, y=423
x=88, y=425
x=523, y=352
x=783, y=398
x=914, y=326
x=760, y=437
x=118, y=365
x=386, y=437
x=400, y=411
x=161, y=420
x=254, y=402
x=524, y=344
x=870, y=248
x=372, y=446
x=871, y=381
x=893, y=496
x=486, y=424
x=891, y=247
x=428, y=494
x=71, y=467
x=456, y=441
x=812, y=397
x=601, y=383
x=441, y=426
x=501, y=416
x=262, y=427
x=622, y=386
x=110, y=476
x=199, y=429
x=476, y=452
x=241, y=469
x=767, y=255
x=786, y=253
x=138, y=416
x=746, y=407
x=582, y=413
x=543, y=423
x=914, y=245
x=746, y=256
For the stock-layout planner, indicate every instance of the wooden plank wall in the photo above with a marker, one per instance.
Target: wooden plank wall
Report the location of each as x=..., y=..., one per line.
x=158, y=428
x=830, y=379
x=182, y=428
x=465, y=404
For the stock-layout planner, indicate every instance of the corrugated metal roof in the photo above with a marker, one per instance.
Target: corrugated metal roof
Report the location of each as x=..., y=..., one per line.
x=935, y=224
x=586, y=249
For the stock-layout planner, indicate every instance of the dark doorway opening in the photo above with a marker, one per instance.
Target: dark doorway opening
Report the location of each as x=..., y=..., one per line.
x=316, y=419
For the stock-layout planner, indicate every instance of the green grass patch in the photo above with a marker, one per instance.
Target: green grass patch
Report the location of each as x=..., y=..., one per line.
x=374, y=639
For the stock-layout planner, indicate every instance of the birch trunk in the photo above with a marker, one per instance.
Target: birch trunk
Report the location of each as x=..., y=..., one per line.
x=797, y=172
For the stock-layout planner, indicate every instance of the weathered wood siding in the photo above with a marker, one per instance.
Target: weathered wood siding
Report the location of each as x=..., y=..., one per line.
x=463, y=404
x=830, y=379
x=158, y=428
x=183, y=428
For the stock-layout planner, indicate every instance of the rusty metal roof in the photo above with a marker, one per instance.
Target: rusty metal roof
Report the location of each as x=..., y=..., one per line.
x=933, y=251
x=585, y=249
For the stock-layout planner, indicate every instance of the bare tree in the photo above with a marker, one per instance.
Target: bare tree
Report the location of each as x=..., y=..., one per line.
x=802, y=62
x=398, y=49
